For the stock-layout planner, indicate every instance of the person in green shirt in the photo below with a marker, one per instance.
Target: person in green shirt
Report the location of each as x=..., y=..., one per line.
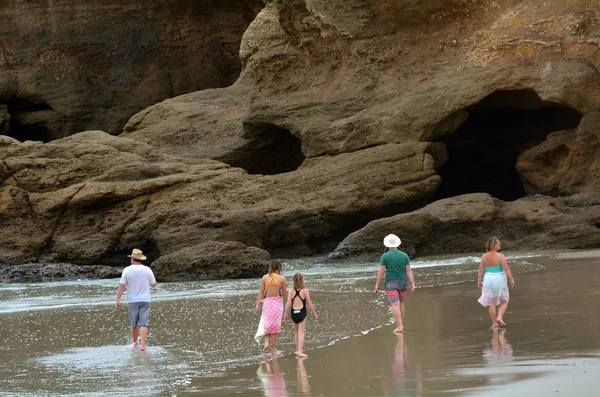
x=396, y=267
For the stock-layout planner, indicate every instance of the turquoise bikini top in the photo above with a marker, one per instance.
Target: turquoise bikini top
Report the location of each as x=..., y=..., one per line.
x=494, y=269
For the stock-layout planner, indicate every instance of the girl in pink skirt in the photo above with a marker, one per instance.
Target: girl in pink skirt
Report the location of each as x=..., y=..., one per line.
x=272, y=288
x=492, y=279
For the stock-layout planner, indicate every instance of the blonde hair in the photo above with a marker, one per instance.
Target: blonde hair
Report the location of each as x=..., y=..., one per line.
x=298, y=281
x=275, y=267
x=491, y=243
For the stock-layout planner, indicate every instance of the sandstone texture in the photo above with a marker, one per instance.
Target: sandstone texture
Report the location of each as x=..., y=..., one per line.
x=67, y=67
x=90, y=197
x=444, y=121
x=464, y=223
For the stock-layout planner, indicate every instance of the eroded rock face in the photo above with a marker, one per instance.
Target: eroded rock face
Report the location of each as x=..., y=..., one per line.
x=90, y=197
x=370, y=100
x=70, y=67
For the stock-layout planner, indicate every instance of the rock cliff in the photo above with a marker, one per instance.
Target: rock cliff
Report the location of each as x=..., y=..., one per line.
x=66, y=67
x=444, y=121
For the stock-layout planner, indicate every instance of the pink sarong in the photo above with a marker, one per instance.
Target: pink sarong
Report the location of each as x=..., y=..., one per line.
x=272, y=311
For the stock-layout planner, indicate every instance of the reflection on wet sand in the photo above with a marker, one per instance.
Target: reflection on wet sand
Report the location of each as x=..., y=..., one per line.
x=145, y=379
x=406, y=380
x=498, y=354
x=272, y=378
x=303, y=385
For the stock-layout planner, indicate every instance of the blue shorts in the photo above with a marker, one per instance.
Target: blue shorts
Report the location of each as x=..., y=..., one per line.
x=395, y=290
x=139, y=314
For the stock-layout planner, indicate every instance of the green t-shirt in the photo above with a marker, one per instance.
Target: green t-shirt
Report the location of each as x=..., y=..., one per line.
x=395, y=262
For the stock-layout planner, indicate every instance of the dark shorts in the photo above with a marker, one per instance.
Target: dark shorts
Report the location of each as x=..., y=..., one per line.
x=139, y=314
x=396, y=290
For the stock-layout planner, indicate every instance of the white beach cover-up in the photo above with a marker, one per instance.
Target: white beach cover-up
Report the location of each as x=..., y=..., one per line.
x=495, y=289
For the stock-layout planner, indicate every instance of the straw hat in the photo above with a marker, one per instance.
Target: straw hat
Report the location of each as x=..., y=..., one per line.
x=391, y=241
x=137, y=255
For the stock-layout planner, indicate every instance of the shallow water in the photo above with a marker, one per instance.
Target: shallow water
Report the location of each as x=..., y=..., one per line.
x=66, y=338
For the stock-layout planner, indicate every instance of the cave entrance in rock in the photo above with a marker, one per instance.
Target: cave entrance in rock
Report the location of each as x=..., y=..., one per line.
x=28, y=120
x=271, y=150
x=483, y=151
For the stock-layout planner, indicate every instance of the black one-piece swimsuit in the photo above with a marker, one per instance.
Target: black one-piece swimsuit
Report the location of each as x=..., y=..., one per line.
x=298, y=315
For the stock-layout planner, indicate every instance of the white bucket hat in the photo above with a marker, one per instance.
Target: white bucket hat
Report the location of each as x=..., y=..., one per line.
x=391, y=241
x=137, y=255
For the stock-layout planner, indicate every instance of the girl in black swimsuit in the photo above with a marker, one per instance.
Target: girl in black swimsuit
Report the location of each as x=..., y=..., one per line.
x=298, y=313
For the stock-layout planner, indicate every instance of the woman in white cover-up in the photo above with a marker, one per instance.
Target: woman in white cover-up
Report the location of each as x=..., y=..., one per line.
x=492, y=279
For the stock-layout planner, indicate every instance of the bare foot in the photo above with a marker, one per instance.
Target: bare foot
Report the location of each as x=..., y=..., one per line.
x=494, y=326
x=135, y=346
x=501, y=323
x=302, y=355
x=399, y=330
x=142, y=348
x=274, y=352
x=266, y=349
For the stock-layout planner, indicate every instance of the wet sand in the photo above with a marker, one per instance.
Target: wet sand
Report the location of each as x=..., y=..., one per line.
x=550, y=347
x=66, y=339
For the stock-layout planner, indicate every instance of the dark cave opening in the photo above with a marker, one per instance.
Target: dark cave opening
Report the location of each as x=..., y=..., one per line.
x=271, y=150
x=483, y=151
x=28, y=120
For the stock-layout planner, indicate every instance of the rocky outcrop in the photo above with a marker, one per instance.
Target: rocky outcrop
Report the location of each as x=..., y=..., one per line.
x=212, y=260
x=90, y=197
x=347, y=115
x=70, y=67
x=49, y=272
x=464, y=223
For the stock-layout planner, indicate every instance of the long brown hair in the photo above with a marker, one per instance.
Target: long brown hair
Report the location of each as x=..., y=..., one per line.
x=491, y=243
x=298, y=281
x=275, y=267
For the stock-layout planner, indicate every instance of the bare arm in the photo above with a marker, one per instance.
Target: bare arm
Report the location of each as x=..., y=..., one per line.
x=411, y=279
x=507, y=271
x=380, y=274
x=310, y=305
x=154, y=285
x=261, y=293
x=480, y=274
x=120, y=291
x=288, y=304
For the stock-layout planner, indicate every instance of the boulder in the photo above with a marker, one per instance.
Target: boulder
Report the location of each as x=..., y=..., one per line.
x=49, y=272
x=212, y=260
x=464, y=223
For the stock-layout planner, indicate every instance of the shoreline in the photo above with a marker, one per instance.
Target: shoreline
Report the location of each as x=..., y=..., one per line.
x=430, y=351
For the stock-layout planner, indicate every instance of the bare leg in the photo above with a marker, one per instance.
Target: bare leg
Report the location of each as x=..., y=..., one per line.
x=397, y=316
x=402, y=310
x=143, y=336
x=301, y=328
x=493, y=315
x=266, y=348
x=134, y=336
x=296, y=338
x=501, y=310
x=274, y=338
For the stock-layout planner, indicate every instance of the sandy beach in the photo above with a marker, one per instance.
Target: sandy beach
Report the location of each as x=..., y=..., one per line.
x=71, y=342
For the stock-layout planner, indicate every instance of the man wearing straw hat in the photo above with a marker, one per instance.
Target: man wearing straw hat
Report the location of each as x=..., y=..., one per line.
x=138, y=279
x=396, y=267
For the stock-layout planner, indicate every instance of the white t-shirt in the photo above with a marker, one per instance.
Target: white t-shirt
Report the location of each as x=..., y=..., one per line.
x=138, y=279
